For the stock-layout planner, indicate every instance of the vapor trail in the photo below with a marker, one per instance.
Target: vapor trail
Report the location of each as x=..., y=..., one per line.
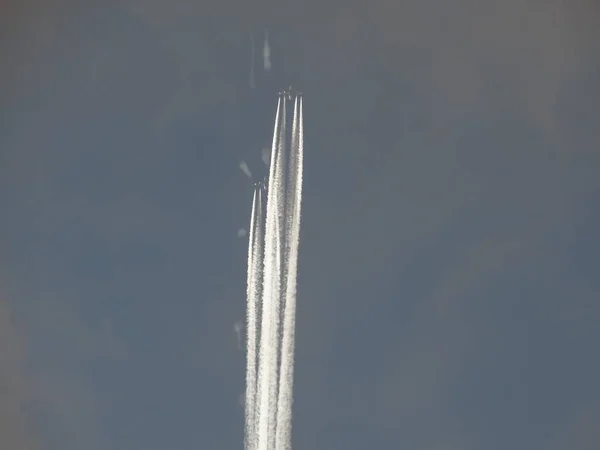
x=294, y=201
x=269, y=399
x=267, y=53
x=290, y=190
x=276, y=195
x=244, y=167
x=252, y=294
x=268, y=345
x=252, y=85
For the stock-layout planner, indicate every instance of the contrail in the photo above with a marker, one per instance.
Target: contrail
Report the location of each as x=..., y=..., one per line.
x=267, y=52
x=252, y=293
x=252, y=85
x=244, y=167
x=268, y=348
x=276, y=190
x=290, y=191
x=265, y=155
x=294, y=201
x=281, y=173
x=269, y=372
x=237, y=328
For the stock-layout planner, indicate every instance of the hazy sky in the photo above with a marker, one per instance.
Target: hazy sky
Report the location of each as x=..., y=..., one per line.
x=449, y=270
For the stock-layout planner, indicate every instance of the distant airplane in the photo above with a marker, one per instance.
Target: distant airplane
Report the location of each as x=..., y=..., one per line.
x=261, y=184
x=288, y=92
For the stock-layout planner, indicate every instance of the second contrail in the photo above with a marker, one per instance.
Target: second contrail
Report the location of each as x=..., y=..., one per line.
x=268, y=345
x=253, y=291
x=272, y=275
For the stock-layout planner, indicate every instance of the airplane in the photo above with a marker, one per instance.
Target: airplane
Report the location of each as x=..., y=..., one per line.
x=262, y=184
x=288, y=92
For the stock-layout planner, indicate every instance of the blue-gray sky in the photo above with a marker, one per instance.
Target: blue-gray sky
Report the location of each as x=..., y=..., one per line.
x=449, y=274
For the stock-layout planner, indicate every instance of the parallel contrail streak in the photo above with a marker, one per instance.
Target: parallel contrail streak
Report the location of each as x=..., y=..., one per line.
x=252, y=85
x=255, y=261
x=290, y=194
x=251, y=295
x=290, y=190
x=286, y=373
x=277, y=194
x=273, y=260
x=289, y=215
x=268, y=347
x=250, y=330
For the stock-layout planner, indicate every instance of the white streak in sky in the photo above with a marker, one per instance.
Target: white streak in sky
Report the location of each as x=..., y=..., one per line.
x=265, y=156
x=252, y=85
x=252, y=295
x=286, y=373
x=245, y=169
x=270, y=296
x=237, y=328
x=267, y=52
x=276, y=190
x=269, y=376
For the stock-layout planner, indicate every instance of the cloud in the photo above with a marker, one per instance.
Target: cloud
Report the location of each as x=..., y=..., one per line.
x=241, y=232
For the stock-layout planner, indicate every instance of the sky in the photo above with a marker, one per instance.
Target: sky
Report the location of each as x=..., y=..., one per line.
x=449, y=247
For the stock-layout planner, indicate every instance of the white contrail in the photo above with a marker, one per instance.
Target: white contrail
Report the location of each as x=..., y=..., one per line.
x=281, y=172
x=267, y=52
x=268, y=348
x=289, y=215
x=269, y=401
x=286, y=373
x=276, y=190
x=258, y=272
x=252, y=85
x=265, y=155
x=250, y=336
x=237, y=328
x=252, y=294
x=290, y=190
x=244, y=167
